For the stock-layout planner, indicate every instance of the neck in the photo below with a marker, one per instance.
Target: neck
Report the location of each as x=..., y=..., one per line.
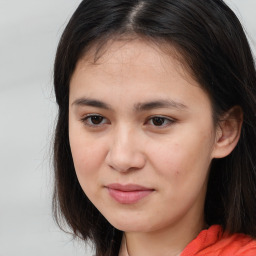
x=164, y=242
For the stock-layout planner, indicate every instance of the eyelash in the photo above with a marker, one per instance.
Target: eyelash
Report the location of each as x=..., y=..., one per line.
x=167, y=121
x=87, y=120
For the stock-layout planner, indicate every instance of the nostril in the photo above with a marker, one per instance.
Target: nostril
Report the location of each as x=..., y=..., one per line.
x=124, y=161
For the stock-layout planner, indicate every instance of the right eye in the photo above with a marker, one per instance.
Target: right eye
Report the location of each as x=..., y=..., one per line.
x=94, y=120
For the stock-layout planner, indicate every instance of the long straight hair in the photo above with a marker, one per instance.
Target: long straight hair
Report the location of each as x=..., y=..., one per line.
x=213, y=45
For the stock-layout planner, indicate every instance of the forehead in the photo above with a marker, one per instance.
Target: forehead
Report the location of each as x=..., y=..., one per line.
x=132, y=72
x=135, y=52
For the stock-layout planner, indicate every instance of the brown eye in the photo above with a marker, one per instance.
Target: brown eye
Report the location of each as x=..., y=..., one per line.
x=158, y=121
x=96, y=119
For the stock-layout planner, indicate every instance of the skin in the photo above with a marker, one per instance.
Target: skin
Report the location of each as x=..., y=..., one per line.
x=170, y=155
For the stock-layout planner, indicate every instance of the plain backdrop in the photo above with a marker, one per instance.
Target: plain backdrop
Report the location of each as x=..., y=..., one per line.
x=29, y=33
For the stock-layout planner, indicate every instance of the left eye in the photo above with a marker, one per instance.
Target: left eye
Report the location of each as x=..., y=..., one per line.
x=94, y=120
x=160, y=121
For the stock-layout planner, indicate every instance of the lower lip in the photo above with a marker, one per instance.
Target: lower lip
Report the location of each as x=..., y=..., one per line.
x=128, y=197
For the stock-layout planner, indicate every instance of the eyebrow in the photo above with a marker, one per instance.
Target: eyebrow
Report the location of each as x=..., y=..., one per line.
x=91, y=103
x=159, y=104
x=139, y=107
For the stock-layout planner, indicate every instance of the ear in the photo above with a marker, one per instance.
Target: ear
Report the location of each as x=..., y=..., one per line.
x=228, y=132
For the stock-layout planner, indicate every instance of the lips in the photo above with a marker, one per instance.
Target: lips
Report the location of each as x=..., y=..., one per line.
x=128, y=194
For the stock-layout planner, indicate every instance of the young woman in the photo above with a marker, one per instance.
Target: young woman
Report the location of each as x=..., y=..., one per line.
x=155, y=142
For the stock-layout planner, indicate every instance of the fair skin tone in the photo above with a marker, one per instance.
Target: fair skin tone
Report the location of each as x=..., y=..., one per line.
x=138, y=117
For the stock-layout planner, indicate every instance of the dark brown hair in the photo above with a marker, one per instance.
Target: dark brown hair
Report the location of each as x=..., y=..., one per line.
x=211, y=40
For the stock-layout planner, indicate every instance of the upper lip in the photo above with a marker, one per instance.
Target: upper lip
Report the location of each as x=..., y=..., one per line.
x=128, y=187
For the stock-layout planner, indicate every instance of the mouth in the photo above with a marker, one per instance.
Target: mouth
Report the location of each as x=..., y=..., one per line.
x=128, y=194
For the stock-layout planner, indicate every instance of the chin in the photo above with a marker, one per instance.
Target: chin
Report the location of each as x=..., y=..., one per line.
x=131, y=227
x=129, y=224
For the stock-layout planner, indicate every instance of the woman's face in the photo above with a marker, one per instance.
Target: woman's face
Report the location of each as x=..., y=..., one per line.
x=142, y=137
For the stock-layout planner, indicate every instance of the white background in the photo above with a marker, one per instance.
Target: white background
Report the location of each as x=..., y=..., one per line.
x=29, y=33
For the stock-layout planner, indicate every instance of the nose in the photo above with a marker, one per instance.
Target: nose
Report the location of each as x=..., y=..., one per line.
x=125, y=151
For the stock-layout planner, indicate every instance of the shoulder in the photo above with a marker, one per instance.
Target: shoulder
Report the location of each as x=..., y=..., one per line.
x=236, y=244
x=215, y=242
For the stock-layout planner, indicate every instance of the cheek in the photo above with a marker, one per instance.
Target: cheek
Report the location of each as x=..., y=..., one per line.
x=170, y=161
x=87, y=155
x=182, y=155
x=87, y=162
x=87, y=159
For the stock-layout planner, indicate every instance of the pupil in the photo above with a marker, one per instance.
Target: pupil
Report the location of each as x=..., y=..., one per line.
x=96, y=119
x=158, y=121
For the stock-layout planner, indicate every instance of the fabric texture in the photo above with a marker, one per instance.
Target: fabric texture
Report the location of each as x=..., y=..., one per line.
x=214, y=242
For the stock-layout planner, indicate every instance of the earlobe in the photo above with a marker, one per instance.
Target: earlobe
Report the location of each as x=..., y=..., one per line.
x=228, y=132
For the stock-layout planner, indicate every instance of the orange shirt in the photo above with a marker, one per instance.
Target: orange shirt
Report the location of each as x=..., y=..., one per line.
x=215, y=242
